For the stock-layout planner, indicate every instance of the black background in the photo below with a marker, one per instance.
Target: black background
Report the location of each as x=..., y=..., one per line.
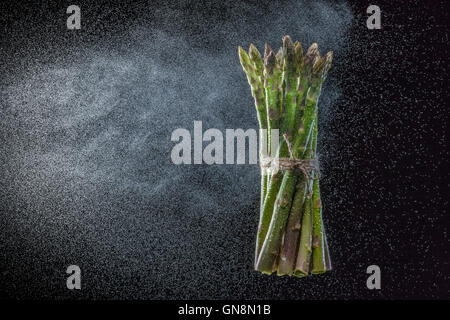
x=394, y=174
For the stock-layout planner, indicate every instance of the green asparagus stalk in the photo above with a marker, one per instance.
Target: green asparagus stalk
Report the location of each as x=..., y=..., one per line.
x=272, y=88
x=304, y=250
x=304, y=130
x=266, y=214
x=318, y=245
x=254, y=79
x=252, y=66
x=288, y=252
x=312, y=238
x=318, y=253
x=256, y=60
x=303, y=257
x=271, y=246
x=272, y=75
x=272, y=78
x=290, y=83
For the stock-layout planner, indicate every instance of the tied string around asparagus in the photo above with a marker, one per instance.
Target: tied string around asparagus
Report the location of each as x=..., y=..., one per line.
x=306, y=166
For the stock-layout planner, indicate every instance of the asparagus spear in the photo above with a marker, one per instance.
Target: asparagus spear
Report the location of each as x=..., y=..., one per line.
x=266, y=215
x=289, y=249
x=318, y=248
x=252, y=66
x=254, y=79
x=272, y=90
x=312, y=217
x=302, y=261
x=318, y=254
x=273, y=67
x=256, y=59
x=290, y=82
x=288, y=252
x=304, y=250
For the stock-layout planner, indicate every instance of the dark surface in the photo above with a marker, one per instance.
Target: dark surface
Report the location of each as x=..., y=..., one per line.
x=140, y=227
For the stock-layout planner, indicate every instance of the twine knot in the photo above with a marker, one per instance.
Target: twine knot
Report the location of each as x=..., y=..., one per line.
x=306, y=166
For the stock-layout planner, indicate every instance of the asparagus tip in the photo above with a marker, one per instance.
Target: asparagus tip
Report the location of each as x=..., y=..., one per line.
x=313, y=47
x=267, y=50
x=243, y=56
x=319, y=65
x=329, y=57
x=287, y=42
x=279, y=55
x=253, y=52
x=288, y=47
x=270, y=60
x=298, y=54
x=312, y=54
x=326, y=64
x=241, y=50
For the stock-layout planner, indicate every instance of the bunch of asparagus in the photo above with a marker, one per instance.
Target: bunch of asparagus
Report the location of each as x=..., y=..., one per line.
x=286, y=87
